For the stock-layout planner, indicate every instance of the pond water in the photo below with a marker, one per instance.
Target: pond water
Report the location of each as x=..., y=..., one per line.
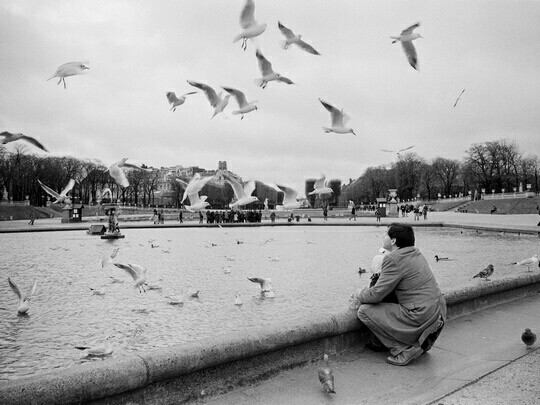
x=313, y=271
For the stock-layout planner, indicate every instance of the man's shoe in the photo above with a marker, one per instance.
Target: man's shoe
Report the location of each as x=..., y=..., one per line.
x=405, y=357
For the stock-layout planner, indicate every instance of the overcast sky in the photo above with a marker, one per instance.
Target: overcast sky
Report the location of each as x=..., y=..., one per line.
x=139, y=50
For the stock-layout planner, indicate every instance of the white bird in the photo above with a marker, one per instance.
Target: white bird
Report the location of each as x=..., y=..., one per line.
x=326, y=376
x=175, y=299
x=24, y=300
x=397, y=152
x=150, y=287
x=118, y=175
x=198, y=203
x=339, y=119
x=376, y=262
x=115, y=280
x=9, y=137
x=69, y=69
x=195, y=185
x=238, y=300
x=136, y=272
x=244, y=106
x=320, y=188
x=229, y=258
x=462, y=91
x=193, y=293
x=96, y=351
x=242, y=193
x=268, y=74
x=107, y=258
x=215, y=100
x=250, y=27
x=62, y=197
x=226, y=270
x=289, y=198
x=175, y=101
x=265, y=284
x=531, y=261
x=291, y=38
x=97, y=291
x=406, y=38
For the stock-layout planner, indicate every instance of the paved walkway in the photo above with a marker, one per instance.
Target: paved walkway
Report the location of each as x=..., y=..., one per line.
x=478, y=359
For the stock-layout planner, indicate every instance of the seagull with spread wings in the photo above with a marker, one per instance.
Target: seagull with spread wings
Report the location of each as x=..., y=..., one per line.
x=406, y=38
x=291, y=38
x=397, y=152
x=462, y=91
x=69, y=69
x=244, y=106
x=320, y=188
x=136, y=272
x=267, y=72
x=195, y=185
x=289, y=199
x=62, y=197
x=9, y=137
x=24, y=300
x=117, y=173
x=177, y=101
x=242, y=192
x=215, y=100
x=266, y=286
x=250, y=27
x=339, y=119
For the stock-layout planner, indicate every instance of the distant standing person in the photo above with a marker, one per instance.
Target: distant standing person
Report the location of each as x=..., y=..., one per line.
x=161, y=217
x=378, y=214
x=353, y=213
x=201, y=217
x=424, y=211
x=325, y=212
x=180, y=216
x=493, y=210
x=273, y=217
x=32, y=218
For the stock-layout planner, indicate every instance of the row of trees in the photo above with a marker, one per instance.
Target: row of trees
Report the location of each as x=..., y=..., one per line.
x=493, y=165
x=490, y=165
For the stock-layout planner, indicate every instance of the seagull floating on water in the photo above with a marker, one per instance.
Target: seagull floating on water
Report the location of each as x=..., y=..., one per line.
x=488, y=271
x=531, y=261
x=250, y=27
x=339, y=119
x=96, y=351
x=267, y=72
x=136, y=272
x=238, y=300
x=320, y=188
x=265, y=284
x=326, y=376
x=442, y=259
x=24, y=300
x=406, y=38
x=215, y=100
x=175, y=101
x=69, y=69
x=9, y=137
x=62, y=197
x=97, y=291
x=244, y=106
x=291, y=38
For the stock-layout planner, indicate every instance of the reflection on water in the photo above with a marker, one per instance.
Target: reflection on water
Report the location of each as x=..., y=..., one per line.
x=313, y=269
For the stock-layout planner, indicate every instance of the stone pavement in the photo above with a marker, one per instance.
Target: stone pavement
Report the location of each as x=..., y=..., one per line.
x=478, y=359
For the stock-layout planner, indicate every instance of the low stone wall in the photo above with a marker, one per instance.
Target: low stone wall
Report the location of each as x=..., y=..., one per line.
x=188, y=372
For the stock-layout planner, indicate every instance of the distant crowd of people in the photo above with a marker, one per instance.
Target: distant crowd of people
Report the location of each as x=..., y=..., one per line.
x=417, y=211
x=230, y=216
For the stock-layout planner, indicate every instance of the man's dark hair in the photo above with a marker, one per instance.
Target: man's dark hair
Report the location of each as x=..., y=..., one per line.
x=402, y=233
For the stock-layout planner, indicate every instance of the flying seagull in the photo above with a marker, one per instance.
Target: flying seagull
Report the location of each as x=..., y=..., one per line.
x=136, y=272
x=320, y=188
x=339, y=118
x=24, y=300
x=175, y=101
x=406, y=38
x=268, y=74
x=397, y=152
x=242, y=192
x=9, y=137
x=289, y=198
x=195, y=185
x=69, y=69
x=291, y=38
x=62, y=197
x=265, y=284
x=118, y=175
x=244, y=106
x=250, y=27
x=216, y=101
x=462, y=91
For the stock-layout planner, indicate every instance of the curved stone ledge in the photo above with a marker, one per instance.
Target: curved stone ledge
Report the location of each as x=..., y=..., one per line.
x=157, y=371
